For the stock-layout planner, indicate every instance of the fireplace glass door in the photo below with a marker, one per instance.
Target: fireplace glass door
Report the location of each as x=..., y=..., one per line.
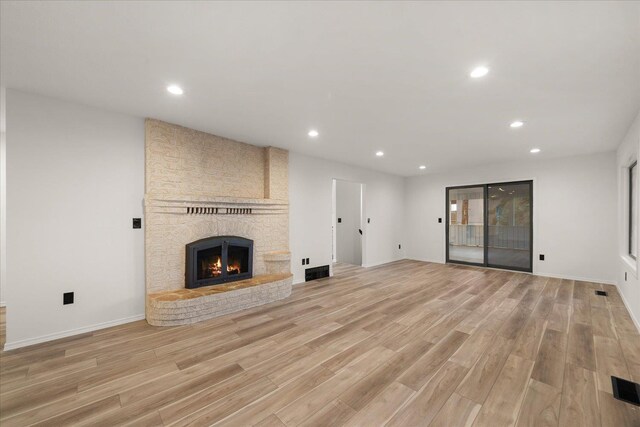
x=237, y=260
x=217, y=260
x=209, y=263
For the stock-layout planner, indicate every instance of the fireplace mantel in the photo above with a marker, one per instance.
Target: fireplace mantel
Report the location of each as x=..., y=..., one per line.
x=189, y=204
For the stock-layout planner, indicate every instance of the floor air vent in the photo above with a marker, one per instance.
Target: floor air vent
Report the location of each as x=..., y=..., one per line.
x=601, y=293
x=316, y=273
x=626, y=391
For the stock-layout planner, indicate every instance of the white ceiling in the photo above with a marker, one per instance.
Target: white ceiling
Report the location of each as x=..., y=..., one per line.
x=369, y=76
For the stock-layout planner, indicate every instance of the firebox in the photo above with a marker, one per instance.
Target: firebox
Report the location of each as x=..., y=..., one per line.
x=219, y=259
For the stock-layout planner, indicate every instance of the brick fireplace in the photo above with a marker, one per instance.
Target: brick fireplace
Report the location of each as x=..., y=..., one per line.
x=201, y=187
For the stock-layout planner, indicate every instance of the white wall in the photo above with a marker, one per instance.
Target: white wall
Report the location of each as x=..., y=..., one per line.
x=574, y=220
x=75, y=179
x=628, y=152
x=3, y=217
x=310, y=198
x=348, y=210
x=3, y=196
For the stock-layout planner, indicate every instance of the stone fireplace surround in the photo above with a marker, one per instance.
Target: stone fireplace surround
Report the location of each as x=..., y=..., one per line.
x=199, y=185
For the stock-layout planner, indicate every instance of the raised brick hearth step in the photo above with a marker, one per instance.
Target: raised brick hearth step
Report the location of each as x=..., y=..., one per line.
x=184, y=306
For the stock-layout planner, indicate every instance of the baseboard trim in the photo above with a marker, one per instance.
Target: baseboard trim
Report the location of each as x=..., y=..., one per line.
x=64, y=334
x=582, y=279
x=626, y=304
x=537, y=273
x=376, y=264
x=434, y=261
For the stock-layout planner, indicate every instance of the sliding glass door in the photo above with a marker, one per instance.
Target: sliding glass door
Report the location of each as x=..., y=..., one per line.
x=509, y=233
x=491, y=225
x=465, y=225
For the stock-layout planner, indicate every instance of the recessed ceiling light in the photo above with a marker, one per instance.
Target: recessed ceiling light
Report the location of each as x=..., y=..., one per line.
x=379, y=153
x=174, y=89
x=517, y=124
x=313, y=133
x=534, y=150
x=478, y=72
x=422, y=167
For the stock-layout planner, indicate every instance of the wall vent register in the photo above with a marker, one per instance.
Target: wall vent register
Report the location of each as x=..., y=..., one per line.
x=625, y=390
x=316, y=273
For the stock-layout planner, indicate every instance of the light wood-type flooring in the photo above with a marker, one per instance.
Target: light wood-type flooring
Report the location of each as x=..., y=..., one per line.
x=403, y=344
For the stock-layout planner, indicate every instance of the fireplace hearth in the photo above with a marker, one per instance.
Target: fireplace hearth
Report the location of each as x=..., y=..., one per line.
x=219, y=259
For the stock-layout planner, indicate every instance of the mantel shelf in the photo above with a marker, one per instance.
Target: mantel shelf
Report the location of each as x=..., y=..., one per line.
x=155, y=200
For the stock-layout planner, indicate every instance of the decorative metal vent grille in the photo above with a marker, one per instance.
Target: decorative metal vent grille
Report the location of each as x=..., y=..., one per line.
x=195, y=210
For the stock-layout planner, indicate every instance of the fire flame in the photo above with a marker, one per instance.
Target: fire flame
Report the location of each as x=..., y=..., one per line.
x=215, y=268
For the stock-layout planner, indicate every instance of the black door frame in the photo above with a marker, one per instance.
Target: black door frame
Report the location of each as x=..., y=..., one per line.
x=485, y=225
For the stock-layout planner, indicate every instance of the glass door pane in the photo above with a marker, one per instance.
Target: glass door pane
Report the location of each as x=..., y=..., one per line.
x=237, y=260
x=465, y=225
x=509, y=225
x=209, y=263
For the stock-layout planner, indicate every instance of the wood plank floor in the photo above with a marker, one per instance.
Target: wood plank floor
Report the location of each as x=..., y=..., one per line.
x=404, y=344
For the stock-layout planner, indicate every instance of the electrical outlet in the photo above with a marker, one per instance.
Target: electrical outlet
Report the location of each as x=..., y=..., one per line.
x=368, y=220
x=307, y=261
x=67, y=298
x=339, y=220
x=399, y=246
x=625, y=276
x=303, y=263
x=137, y=222
x=541, y=257
x=440, y=220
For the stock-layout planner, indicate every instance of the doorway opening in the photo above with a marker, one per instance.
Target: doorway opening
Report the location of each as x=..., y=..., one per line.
x=491, y=225
x=347, y=213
